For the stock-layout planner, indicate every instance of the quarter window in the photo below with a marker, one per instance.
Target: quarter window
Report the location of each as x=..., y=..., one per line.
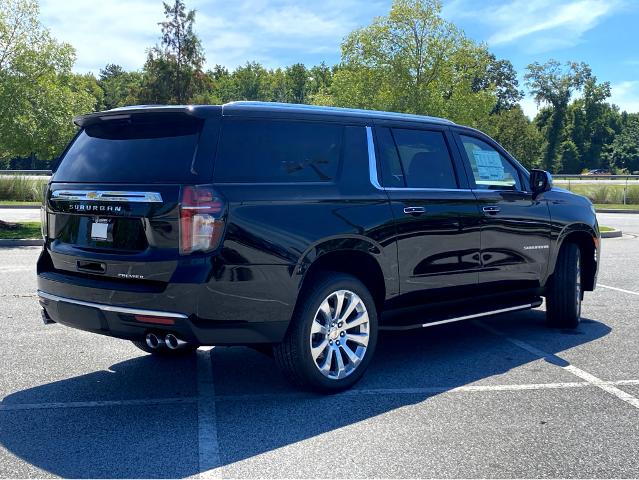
x=491, y=170
x=272, y=151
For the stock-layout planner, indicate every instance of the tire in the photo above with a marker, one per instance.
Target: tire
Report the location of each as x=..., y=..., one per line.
x=564, y=294
x=163, y=351
x=328, y=348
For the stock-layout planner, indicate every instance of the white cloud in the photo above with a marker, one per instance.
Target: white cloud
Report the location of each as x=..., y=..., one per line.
x=538, y=25
x=109, y=31
x=273, y=32
x=626, y=95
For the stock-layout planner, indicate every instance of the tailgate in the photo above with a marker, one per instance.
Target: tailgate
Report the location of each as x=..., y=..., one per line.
x=118, y=231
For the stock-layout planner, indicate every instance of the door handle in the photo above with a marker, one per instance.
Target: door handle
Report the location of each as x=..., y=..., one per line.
x=414, y=210
x=491, y=210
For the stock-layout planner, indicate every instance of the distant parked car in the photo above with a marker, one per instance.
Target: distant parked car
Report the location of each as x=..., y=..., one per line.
x=598, y=171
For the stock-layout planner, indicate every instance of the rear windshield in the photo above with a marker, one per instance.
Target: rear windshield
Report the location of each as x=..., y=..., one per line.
x=141, y=151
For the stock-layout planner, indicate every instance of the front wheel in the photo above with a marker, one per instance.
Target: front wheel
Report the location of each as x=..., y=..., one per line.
x=564, y=294
x=332, y=336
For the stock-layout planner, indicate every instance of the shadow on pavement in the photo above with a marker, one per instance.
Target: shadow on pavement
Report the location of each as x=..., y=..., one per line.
x=258, y=411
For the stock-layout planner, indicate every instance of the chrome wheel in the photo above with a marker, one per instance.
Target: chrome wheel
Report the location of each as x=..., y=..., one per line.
x=339, y=334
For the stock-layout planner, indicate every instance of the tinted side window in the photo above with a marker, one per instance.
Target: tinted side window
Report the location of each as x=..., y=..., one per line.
x=425, y=159
x=392, y=173
x=490, y=169
x=278, y=151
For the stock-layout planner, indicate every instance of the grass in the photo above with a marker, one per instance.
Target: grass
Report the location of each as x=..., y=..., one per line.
x=19, y=203
x=606, y=194
x=21, y=188
x=616, y=206
x=25, y=230
x=606, y=229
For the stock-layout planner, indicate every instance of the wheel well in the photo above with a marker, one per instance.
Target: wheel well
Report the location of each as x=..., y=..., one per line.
x=353, y=262
x=587, y=249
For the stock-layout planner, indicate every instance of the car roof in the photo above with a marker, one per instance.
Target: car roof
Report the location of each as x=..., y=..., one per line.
x=274, y=107
x=251, y=107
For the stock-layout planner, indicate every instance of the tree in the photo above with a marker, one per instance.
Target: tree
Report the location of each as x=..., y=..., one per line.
x=500, y=76
x=623, y=152
x=173, y=70
x=517, y=134
x=38, y=93
x=251, y=82
x=120, y=87
x=414, y=61
x=569, y=160
x=554, y=85
x=296, y=82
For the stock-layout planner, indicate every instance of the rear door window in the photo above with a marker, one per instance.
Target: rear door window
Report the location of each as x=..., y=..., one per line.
x=416, y=159
x=143, y=151
x=278, y=151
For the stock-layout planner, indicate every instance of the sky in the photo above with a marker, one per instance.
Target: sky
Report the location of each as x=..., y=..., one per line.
x=276, y=33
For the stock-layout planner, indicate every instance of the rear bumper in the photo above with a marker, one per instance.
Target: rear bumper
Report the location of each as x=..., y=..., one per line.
x=78, y=310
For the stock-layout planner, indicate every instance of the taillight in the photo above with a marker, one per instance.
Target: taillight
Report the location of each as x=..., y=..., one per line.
x=201, y=219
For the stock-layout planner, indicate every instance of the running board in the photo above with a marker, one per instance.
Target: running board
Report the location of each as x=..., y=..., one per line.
x=516, y=308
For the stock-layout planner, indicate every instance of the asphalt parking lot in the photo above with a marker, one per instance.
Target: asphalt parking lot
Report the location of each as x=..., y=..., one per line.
x=504, y=397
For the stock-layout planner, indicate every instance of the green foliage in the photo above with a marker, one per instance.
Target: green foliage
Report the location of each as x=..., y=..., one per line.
x=410, y=60
x=414, y=61
x=38, y=92
x=21, y=188
x=623, y=151
x=173, y=70
x=569, y=160
x=119, y=87
x=553, y=84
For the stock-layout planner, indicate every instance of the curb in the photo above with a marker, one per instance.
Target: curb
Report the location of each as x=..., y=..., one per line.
x=612, y=234
x=4, y=242
x=615, y=210
x=18, y=207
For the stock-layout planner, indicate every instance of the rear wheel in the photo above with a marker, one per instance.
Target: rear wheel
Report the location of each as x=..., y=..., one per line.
x=332, y=337
x=564, y=295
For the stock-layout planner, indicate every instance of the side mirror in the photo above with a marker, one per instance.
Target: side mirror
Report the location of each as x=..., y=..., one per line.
x=540, y=181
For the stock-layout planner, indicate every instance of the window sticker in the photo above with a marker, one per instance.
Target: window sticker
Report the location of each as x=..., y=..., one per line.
x=489, y=165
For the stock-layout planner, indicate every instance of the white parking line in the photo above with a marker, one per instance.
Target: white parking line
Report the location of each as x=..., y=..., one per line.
x=556, y=360
x=618, y=289
x=208, y=446
x=103, y=403
x=421, y=390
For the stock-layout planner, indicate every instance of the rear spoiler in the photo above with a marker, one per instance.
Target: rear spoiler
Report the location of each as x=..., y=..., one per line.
x=125, y=113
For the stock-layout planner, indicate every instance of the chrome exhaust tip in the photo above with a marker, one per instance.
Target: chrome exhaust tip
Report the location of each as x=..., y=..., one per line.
x=153, y=341
x=173, y=342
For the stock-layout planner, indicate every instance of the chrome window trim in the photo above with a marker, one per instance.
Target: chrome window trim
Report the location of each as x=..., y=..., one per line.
x=106, y=196
x=372, y=159
x=416, y=189
x=110, y=308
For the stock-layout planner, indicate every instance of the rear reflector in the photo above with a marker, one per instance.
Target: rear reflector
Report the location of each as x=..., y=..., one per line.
x=155, y=320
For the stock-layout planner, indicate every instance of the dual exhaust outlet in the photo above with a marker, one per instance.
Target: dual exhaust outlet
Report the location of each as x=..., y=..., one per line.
x=155, y=341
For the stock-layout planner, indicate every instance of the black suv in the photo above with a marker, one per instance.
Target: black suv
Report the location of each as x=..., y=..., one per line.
x=300, y=229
